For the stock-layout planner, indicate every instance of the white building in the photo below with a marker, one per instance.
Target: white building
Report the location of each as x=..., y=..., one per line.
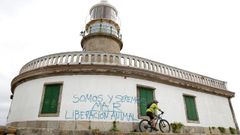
x=76, y=90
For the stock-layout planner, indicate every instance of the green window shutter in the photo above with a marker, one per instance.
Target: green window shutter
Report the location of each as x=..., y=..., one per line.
x=191, y=108
x=146, y=96
x=51, y=97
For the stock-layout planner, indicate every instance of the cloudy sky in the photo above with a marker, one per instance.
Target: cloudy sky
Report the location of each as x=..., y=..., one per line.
x=201, y=36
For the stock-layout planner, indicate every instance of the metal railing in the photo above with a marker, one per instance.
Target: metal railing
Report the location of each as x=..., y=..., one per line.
x=78, y=58
x=102, y=27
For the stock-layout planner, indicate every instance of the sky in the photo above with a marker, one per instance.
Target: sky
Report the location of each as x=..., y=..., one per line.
x=201, y=36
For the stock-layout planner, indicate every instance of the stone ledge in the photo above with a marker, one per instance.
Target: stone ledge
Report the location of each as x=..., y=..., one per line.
x=125, y=128
x=86, y=132
x=48, y=131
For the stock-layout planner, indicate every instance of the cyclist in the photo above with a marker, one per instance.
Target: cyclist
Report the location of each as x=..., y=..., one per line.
x=151, y=112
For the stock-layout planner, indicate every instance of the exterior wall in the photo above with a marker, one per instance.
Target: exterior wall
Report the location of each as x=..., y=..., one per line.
x=101, y=44
x=118, y=101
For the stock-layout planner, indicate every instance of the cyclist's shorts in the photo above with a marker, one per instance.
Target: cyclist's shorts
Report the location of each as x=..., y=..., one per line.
x=150, y=114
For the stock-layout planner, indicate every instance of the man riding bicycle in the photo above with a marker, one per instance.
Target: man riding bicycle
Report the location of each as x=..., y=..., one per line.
x=151, y=112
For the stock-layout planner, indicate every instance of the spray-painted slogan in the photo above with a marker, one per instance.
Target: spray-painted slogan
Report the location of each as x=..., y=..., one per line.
x=102, y=107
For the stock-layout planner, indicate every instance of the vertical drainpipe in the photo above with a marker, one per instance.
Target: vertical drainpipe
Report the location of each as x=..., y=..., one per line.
x=233, y=115
x=9, y=111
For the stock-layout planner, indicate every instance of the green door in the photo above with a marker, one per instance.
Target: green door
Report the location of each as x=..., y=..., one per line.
x=191, y=108
x=146, y=96
x=51, y=97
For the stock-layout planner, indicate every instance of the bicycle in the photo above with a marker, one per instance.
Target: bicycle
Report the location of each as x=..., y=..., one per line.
x=146, y=126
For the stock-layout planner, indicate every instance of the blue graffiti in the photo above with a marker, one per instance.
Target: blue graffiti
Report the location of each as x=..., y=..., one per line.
x=87, y=98
x=110, y=98
x=126, y=99
x=103, y=107
x=93, y=114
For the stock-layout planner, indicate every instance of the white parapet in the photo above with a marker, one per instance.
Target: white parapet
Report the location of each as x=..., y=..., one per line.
x=83, y=58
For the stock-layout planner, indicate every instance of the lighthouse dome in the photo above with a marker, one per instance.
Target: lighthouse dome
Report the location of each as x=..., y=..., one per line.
x=103, y=10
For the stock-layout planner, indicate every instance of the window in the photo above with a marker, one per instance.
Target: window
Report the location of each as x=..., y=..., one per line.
x=145, y=96
x=51, y=98
x=191, y=110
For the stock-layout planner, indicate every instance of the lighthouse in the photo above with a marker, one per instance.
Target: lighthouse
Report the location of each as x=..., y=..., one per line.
x=102, y=32
x=99, y=86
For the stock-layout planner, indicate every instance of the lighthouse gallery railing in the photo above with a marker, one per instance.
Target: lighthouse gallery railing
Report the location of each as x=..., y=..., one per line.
x=78, y=58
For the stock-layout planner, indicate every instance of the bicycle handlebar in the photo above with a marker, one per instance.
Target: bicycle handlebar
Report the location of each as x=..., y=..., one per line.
x=162, y=112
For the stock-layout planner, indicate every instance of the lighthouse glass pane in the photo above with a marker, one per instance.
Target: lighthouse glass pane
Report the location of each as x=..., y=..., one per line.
x=50, y=103
x=145, y=97
x=191, y=109
x=103, y=12
x=113, y=15
x=103, y=27
x=106, y=12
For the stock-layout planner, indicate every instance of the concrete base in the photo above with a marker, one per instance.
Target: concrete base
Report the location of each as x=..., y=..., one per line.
x=95, y=132
x=75, y=125
x=100, y=128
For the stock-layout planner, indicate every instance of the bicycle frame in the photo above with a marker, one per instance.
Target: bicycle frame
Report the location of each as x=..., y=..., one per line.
x=158, y=119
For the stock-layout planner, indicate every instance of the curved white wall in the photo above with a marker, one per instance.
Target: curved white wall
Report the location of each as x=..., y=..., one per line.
x=118, y=97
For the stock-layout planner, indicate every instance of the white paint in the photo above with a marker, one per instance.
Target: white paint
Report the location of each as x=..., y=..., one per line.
x=212, y=110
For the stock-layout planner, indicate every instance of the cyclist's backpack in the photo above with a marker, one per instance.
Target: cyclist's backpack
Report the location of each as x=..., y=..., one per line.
x=148, y=105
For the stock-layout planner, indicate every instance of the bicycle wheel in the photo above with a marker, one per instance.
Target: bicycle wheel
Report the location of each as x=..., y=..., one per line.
x=145, y=126
x=164, y=126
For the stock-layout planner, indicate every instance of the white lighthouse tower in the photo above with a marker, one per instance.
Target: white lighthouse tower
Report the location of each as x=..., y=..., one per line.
x=89, y=89
x=102, y=32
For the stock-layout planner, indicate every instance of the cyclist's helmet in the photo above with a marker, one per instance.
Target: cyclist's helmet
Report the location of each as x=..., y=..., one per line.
x=155, y=101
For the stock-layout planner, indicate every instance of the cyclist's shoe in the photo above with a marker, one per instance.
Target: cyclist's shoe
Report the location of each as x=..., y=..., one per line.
x=154, y=128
